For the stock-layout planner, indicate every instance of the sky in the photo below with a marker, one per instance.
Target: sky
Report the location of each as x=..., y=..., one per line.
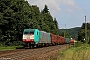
x=68, y=13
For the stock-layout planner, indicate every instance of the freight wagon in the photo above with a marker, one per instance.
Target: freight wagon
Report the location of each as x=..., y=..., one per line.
x=67, y=40
x=72, y=41
x=54, y=40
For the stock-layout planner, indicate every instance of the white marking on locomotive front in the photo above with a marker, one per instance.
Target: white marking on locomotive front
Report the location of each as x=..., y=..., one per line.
x=28, y=36
x=31, y=36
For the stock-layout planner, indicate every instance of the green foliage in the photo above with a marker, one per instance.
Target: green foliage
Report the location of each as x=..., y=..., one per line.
x=53, y=58
x=56, y=23
x=2, y=48
x=49, y=24
x=45, y=10
x=16, y=15
x=65, y=34
x=78, y=44
x=81, y=52
x=81, y=33
x=70, y=33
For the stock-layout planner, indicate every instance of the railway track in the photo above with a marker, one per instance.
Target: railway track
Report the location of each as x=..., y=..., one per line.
x=31, y=54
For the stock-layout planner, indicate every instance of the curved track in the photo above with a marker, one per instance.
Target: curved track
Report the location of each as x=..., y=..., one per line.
x=32, y=54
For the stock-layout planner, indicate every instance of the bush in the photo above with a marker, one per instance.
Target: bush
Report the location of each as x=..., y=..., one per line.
x=78, y=44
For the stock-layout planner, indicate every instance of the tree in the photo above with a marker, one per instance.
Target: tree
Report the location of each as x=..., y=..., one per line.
x=17, y=15
x=81, y=33
x=45, y=10
x=55, y=22
x=65, y=34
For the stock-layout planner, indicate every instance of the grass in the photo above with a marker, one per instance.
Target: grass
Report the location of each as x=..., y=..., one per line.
x=2, y=48
x=75, y=53
x=80, y=51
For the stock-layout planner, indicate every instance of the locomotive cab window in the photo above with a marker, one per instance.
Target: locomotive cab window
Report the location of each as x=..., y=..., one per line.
x=25, y=32
x=37, y=33
x=31, y=33
x=28, y=32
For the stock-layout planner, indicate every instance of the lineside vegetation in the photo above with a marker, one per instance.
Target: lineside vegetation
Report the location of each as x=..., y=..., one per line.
x=78, y=52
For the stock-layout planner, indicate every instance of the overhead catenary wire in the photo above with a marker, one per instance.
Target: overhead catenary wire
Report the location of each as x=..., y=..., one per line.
x=38, y=2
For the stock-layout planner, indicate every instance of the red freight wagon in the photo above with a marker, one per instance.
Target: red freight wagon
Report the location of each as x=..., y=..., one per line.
x=71, y=41
x=59, y=40
x=56, y=39
x=62, y=40
x=53, y=39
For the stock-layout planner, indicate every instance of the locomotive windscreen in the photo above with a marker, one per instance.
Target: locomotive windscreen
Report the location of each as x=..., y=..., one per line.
x=29, y=32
